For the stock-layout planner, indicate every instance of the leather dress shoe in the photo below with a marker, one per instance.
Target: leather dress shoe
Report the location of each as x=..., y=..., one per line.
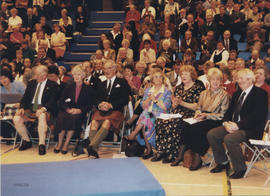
x=220, y=168
x=166, y=160
x=41, y=149
x=92, y=152
x=25, y=145
x=157, y=157
x=56, y=151
x=180, y=156
x=238, y=175
x=147, y=155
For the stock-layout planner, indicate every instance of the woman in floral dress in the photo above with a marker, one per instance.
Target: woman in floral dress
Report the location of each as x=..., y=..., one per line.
x=168, y=132
x=156, y=100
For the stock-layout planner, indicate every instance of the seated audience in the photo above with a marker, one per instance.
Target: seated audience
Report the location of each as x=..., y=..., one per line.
x=133, y=81
x=245, y=119
x=76, y=100
x=212, y=105
x=81, y=20
x=169, y=132
x=58, y=42
x=9, y=85
x=108, y=52
x=37, y=103
x=112, y=96
x=14, y=20
x=220, y=55
x=261, y=74
x=147, y=55
x=156, y=100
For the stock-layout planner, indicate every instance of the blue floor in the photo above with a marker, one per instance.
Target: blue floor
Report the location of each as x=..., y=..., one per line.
x=112, y=177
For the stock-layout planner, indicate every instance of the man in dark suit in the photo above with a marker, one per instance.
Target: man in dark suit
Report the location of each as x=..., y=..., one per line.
x=228, y=42
x=39, y=98
x=222, y=20
x=237, y=20
x=112, y=95
x=90, y=79
x=245, y=119
x=189, y=43
x=116, y=36
x=209, y=26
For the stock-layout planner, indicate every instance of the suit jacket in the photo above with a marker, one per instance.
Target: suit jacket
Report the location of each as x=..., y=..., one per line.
x=85, y=100
x=232, y=44
x=193, y=45
x=119, y=96
x=51, y=54
x=48, y=99
x=253, y=112
x=117, y=41
x=225, y=19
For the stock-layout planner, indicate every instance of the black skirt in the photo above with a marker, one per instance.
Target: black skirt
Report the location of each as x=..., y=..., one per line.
x=66, y=121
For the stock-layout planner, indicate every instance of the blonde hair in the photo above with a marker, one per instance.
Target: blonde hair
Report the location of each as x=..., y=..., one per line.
x=191, y=70
x=155, y=71
x=78, y=69
x=141, y=63
x=125, y=41
x=214, y=73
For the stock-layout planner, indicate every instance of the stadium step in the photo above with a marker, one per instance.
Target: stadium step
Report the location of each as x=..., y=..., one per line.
x=97, y=31
x=82, y=47
x=107, y=16
x=86, y=45
x=102, y=24
x=87, y=39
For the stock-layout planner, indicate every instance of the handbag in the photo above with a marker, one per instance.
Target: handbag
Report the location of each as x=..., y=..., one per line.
x=79, y=147
x=132, y=148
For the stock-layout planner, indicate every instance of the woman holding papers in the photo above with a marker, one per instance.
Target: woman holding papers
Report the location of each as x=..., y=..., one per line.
x=212, y=105
x=156, y=100
x=168, y=132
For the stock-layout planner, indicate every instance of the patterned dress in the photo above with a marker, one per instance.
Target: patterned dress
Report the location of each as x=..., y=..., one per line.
x=148, y=118
x=168, y=132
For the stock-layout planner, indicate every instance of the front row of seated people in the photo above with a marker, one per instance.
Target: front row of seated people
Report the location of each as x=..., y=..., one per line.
x=219, y=120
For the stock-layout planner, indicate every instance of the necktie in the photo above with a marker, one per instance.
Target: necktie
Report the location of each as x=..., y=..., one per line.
x=226, y=44
x=35, y=105
x=238, y=107
x=109, y=87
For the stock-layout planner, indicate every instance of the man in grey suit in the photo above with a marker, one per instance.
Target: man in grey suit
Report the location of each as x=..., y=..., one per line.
x=174, y=76
x=245, y=119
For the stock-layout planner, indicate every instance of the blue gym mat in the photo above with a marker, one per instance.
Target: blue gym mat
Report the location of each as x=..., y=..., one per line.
x=112, y=177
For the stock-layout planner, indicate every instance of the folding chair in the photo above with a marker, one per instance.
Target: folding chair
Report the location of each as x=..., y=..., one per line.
x=10, y=100
x=260, y=147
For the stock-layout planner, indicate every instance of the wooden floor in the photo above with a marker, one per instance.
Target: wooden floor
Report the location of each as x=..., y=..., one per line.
x=175, y=180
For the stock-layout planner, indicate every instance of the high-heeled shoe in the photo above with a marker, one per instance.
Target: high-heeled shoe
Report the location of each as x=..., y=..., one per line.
x=64, y=151
x=196, y=163
x=56, y=150
x=148, y=155
x=157, y=157
x=180, y=156
x=166, y=160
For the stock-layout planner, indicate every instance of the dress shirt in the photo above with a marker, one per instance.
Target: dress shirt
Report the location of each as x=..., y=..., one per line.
x=42, y=87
